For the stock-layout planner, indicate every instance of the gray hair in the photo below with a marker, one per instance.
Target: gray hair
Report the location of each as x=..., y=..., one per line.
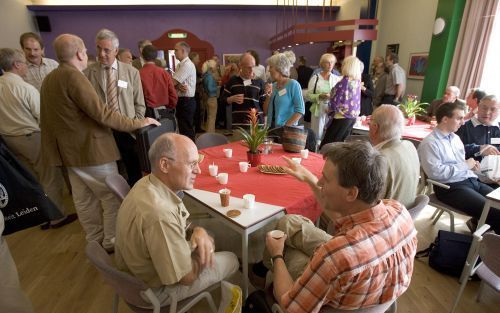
x=327, y=57
x=390, y=122
x=282, y=62
x=10, y=56
x=455, y=90
x=163, y=146
x=105, y=34
x=185, y=46
x=351, y=67
x=360, y=165
x=491, y=98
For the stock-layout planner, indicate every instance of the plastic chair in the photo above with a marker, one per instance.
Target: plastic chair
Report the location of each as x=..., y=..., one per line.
x=207, y=140
x=388, y=307
x=486, y=247
x=118, y=185
x=134, y=291
x=420, y=202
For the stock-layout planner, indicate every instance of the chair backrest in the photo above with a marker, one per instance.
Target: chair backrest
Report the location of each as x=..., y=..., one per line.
x=420, y=202
x=210, y=139
x=118, y=185
x=128, y=287
x=489, y=251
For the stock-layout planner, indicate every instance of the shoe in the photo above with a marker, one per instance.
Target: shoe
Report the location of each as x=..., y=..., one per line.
x=69, y=219
x=45, y=226
x=471, y=224
x=255, y=275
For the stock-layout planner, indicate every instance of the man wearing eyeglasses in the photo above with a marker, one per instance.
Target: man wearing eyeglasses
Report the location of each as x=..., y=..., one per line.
x=151, y=237
x=119, y=86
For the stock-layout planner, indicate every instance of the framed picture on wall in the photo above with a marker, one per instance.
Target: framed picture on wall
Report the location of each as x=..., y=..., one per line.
x=394, y=48
x=230, y=58
x=418, y=65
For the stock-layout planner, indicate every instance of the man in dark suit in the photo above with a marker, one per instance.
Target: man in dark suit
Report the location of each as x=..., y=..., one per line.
x=76, y=133
x=119, y=86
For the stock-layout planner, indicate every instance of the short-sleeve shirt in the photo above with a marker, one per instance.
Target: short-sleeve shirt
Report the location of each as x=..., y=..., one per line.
x=36, y=74
x=284, y=103
x=397, y=76
x=150, y=234
x=367, y=262
x=186, y=74
x=20, y=106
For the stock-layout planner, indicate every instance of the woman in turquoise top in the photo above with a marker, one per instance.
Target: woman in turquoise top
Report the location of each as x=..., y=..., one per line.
x=285, y=105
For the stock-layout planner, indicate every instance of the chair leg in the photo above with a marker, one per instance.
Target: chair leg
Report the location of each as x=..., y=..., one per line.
x=437, y=217
x=452, y=222
x=480, y=291
x=460, y=291
x=434, y=214
x=116, y=302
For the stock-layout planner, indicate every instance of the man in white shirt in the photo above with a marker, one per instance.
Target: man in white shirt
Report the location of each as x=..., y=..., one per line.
x=38, y=66
x=396, y=80
x=185, y=84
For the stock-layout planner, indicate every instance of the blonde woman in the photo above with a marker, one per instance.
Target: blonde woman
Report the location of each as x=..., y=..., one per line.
x=210, y=86
x=318, y=91
x=344, y=102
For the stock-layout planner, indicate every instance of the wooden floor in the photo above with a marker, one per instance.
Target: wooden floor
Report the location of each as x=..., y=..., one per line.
x=57, y=277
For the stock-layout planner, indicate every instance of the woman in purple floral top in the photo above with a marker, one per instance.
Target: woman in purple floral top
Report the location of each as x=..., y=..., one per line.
x=344, y=102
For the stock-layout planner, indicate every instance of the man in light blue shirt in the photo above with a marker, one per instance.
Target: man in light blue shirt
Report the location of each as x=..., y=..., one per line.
x=442, y=156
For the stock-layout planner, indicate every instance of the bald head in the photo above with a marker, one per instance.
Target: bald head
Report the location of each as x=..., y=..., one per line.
x=386, y=123
x=247, y=63
x=67, y=48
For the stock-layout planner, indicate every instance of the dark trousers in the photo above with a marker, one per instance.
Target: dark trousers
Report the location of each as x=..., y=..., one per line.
x=338, y=130
x=186, y=107
x=388, y=99
x=128, y=150
x=468, y=196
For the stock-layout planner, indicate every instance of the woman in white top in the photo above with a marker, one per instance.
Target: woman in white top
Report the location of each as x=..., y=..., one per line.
x=318, y=91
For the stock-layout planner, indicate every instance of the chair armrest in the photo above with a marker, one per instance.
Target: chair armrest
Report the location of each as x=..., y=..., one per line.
x=149, y=294
x=481, y=230
x=436, y=183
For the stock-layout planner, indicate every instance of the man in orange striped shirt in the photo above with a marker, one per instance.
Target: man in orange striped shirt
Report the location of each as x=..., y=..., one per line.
x=369, y=259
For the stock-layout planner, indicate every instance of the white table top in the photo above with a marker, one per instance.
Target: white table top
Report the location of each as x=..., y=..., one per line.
x=247, y=218
x=494, y=195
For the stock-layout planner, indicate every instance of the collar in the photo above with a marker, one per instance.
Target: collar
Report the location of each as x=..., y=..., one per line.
x=440, y=135
x=475, y=122
x=43, y=63
x=12, y=76
x=381, y=144
x=113, y=66
x=155, y=181
x=376, y=212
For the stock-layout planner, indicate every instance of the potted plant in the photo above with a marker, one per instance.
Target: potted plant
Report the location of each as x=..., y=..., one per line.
x=254, y=137
x=411, y=108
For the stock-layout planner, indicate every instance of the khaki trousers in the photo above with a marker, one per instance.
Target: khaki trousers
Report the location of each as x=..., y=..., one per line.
x=225, y=264
x=12, y=297
x=211, y=114
x=94, y=202
x=303, y=237
x=27, y=149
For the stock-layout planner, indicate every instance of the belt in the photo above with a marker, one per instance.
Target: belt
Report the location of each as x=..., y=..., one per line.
x=161, y=109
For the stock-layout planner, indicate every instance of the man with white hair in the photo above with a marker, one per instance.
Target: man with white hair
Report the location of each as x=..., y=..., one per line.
x=119, y=86
x=451, y=94
x=386, y=127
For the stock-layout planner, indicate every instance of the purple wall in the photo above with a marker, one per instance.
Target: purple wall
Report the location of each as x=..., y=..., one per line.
x=230, y=30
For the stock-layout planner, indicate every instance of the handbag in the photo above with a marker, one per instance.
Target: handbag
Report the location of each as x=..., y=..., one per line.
x=23, y=202
x=294, y=138
x=448, y=253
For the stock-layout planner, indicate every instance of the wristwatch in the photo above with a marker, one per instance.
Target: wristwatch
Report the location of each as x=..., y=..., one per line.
x=278, y=256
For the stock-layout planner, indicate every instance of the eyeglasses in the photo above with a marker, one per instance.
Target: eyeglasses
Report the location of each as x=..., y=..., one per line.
x=192, y=165
x=105, y=50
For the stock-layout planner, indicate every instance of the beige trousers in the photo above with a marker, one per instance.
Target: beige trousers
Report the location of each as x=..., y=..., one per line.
x=211, y=114
x=12, y=297
x=303, y=237
x=225, y=264
x=27, y=149
x=94, y=202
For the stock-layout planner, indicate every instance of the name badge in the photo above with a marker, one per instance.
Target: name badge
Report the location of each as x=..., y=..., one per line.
x=247, y=82
x=282, y=92
x=122, y=84
x=495, y=141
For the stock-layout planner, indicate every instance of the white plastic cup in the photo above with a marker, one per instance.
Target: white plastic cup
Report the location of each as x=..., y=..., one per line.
x=228, y=153
x=213, y=169
x=297, y=160
x=244, y=167
x=248, y=201
x=304, y=153
x=222, y=178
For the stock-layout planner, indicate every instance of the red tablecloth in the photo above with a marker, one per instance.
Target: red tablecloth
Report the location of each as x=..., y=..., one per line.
x=282, y=190
x=417, y=131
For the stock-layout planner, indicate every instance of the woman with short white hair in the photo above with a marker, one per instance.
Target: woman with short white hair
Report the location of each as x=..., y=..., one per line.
x=318, y=91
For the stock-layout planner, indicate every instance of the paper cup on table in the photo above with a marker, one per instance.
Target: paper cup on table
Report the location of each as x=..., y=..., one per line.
x=222, y=178
x=304, y=153
x=244, y=167
x=225, y=194
x=213, y=169
x=297, y=160
x=249, y=201
x=276, y=234
x=228, y=153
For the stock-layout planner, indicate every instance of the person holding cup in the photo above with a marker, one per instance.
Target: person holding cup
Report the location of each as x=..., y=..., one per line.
x=151, y=229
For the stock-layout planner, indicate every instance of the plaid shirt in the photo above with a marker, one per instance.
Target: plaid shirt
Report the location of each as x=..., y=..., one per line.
x=369, y=261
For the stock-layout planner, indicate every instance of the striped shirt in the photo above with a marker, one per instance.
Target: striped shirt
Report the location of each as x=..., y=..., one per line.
x=36, y=74
x=186, y=74
x=253, y=97
x=369, y=261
